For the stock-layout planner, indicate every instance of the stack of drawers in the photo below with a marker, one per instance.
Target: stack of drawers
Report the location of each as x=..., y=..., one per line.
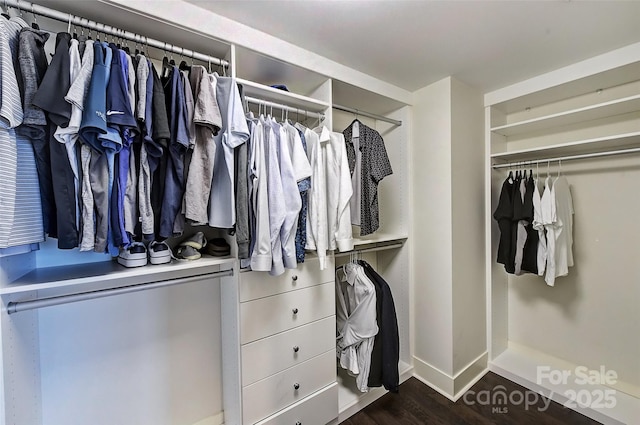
x=287, y=346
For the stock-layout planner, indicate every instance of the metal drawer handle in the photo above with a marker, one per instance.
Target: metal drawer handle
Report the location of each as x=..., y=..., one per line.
x=296, y=348
x=296, y=386
x=295, y=310
x=294, y=277
x=298, y=423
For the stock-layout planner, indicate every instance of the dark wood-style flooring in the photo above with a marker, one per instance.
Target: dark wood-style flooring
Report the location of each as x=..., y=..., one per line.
x=416, y=403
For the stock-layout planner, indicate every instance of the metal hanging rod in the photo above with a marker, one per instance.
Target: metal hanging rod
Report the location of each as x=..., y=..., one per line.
x=372, y=249
x=18, y=306
x=86, y=23
x=568, y=158
x=367, y=114
x=280, y=106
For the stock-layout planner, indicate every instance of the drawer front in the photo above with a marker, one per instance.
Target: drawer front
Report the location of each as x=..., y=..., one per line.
x=273, y=354
x=277, y=313
x=318, y=409
x=254, y=285
x=276, y=392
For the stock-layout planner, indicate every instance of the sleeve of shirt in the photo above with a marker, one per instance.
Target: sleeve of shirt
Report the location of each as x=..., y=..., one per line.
x=380, y=165
x=344, y=236
x=238, y=129
x=301, y=166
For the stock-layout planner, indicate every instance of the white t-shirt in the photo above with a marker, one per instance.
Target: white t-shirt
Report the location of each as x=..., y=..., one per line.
x=564, y=233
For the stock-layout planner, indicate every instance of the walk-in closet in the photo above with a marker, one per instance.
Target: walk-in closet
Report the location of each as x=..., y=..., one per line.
x=296, y=192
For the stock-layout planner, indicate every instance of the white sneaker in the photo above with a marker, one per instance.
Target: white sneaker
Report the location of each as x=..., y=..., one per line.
x=159, y=253
x=135, y=255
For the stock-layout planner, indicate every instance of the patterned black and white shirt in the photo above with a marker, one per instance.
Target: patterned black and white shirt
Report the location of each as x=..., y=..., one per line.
x=375, y=166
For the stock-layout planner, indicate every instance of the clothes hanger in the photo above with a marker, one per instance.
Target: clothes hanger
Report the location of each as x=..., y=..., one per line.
x=5, y=10
x=34, y=24
x=183, y=64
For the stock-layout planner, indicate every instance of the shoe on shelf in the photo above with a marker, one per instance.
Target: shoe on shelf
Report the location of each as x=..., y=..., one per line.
x=197, y=241
x=135, y=255
x=189, y=253
x=218, y=247
x=159, y=253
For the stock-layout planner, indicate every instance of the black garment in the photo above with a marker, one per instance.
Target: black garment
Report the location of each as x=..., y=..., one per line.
x=157, y=148
x=503, y=215
x=64, y=192
x=386, y=346
x=530, y=252
x=56, y=83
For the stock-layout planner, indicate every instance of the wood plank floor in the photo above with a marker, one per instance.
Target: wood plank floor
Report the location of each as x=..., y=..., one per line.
x=416, y=404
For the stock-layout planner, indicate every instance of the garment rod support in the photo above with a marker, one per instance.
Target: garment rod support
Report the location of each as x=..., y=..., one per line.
x=18, y=306
x=367, y=114
x=567, y=158
x=86, y=23
x=267, y=103
x=372, y=249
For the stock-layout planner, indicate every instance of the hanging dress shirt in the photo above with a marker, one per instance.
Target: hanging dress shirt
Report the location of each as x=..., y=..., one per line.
x=356, y=322
x=564, y=227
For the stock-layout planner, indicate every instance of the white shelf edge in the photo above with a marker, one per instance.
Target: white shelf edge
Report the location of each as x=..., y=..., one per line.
x=280, y=96
x=585, y=142
x=109, y=272
x=521, y=126
x=520, y=365
x=378, y=239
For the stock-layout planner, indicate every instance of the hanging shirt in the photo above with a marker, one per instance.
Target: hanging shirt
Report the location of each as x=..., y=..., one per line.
x=564, y=232
x=550, y=222
x=538, y=225
x=339, y=190
x=374, y=166
x=222, y=211
x=259, y=213
x=145, y=208
x=303, y=187
x=530, y=250
x=356, y=324
x=317, y=232
x=207, y=122
x=275, y=190
x=503, y=215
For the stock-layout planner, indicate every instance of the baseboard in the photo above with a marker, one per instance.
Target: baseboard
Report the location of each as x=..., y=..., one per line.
x=452, y=387
x=212, y=420
x=521, y=365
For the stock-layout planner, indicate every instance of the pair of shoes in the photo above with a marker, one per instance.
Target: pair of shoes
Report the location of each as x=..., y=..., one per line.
x=190, y=248
x=218, y=247
x=159, y=253
x=135, y=255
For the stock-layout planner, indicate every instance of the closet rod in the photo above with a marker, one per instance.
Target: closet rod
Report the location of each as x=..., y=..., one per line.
x=567, y=158
x=26, y=7
x=267, y=103
x=367, y=114
x=372, y=249
x=18, y=306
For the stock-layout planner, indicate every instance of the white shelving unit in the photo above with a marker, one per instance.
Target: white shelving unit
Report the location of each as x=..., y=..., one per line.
x=587, y=108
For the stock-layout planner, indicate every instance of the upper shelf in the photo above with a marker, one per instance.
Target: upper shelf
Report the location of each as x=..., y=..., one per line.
x=271, y=94
x=573, y=116
x=599, y=144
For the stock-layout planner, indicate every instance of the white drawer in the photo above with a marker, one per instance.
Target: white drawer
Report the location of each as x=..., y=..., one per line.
x=270, y=355
x=255, y=285
x=277, y=313
x=278, y=391
x=318, y=409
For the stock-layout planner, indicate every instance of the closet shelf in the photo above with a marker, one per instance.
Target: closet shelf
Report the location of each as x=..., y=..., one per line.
x=378, y=240
x=109, y=274
x=599, y=144
x=261, y=91
x=574, y=116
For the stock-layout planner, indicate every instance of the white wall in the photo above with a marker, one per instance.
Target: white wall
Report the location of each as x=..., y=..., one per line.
x=431, y=238
x=467, y=173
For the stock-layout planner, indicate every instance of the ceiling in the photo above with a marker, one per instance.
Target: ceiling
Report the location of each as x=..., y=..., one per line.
x=487, y=44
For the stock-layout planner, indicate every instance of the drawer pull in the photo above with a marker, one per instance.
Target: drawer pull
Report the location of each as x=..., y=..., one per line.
x=296, y=386
x=294, y=277
x=295, y=310
x=296, y=348
x=298, y=423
